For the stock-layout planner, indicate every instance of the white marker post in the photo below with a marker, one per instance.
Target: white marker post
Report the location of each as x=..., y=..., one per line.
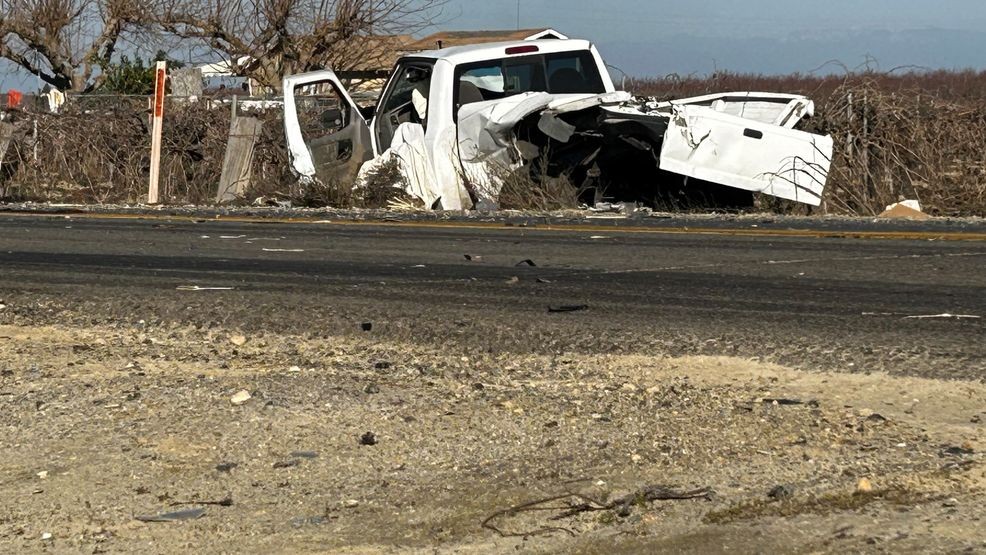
x=160, y=73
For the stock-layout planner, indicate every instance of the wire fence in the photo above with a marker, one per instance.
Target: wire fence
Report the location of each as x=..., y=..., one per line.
x=96, y=149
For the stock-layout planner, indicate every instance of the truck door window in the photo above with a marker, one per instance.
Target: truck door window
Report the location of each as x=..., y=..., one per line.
x=321, y=110
x=406, y=101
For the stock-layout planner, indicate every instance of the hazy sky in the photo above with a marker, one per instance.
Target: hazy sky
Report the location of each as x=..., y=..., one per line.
x=658, y=37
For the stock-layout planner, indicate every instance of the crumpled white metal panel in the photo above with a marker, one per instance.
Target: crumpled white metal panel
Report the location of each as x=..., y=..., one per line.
x=738, y=152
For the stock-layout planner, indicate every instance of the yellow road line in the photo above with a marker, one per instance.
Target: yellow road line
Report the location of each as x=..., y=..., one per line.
x=500, y=226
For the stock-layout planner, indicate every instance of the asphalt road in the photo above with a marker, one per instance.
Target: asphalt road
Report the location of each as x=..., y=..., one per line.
x=827, y=302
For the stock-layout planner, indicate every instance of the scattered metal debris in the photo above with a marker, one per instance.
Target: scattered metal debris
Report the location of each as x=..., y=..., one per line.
x=286, y=464
x=226, y=466
x=945, y=316
x=788, y=402
x=568, y=308
x=302, y=521
x=176, y=516
x=224, y=502
x=781, y=492
x=200, y=288
x=957, y=451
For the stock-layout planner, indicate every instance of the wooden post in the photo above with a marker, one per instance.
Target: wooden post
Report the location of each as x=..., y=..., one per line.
x=244, y=131
x=160, y=74
x=6, y=135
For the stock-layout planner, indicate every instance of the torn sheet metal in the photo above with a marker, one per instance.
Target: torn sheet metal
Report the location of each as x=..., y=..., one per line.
x=784, y=110
x=719, y=147
x=488, y=145
x=434, y=181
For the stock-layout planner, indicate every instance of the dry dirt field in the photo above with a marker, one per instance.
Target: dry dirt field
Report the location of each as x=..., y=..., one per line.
x=723, y=392
x=363, y=445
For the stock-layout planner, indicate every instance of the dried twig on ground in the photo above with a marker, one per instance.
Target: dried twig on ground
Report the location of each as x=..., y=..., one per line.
x=621, y=506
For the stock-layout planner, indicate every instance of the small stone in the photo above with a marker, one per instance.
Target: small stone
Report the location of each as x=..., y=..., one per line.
x=864, y=486
x=350, y=503
x=46, y=536
x=952, y=502
x=294, y=369
x=240, y=397
x=369, y=438
x=43, y=474
x=238, y=340
x=635, y=458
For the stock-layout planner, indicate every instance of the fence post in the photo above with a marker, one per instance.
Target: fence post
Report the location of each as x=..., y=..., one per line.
x=849, y=146
x=238, y=160
x=6, y=134
x=160, y=74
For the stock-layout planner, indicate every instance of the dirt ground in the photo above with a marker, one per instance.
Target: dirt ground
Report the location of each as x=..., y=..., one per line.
x=361, y=444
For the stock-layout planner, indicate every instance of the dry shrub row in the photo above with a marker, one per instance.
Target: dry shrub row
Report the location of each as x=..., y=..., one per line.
x=97, y=150
x=914, y=135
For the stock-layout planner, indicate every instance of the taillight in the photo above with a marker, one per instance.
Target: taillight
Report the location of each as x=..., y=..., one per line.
x=522, y=49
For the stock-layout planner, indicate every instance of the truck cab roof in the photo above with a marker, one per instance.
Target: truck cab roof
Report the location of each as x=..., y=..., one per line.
x=479, y=52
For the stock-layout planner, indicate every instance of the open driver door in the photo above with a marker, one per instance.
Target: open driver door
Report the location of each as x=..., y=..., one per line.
x=327, y=137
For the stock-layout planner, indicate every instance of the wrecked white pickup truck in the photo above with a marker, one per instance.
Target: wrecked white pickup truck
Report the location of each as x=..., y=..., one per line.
x=455, y=118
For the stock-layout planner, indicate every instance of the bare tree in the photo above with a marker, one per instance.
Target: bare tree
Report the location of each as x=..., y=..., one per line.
x=66, y=42
x=266, y=39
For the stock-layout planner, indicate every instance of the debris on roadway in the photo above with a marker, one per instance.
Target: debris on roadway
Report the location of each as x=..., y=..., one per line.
x=176, y=516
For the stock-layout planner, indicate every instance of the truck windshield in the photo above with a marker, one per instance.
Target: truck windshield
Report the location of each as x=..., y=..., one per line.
x=562, y=73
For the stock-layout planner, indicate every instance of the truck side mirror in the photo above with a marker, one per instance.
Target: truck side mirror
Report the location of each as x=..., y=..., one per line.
x=332, y=119
x=417, y=74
